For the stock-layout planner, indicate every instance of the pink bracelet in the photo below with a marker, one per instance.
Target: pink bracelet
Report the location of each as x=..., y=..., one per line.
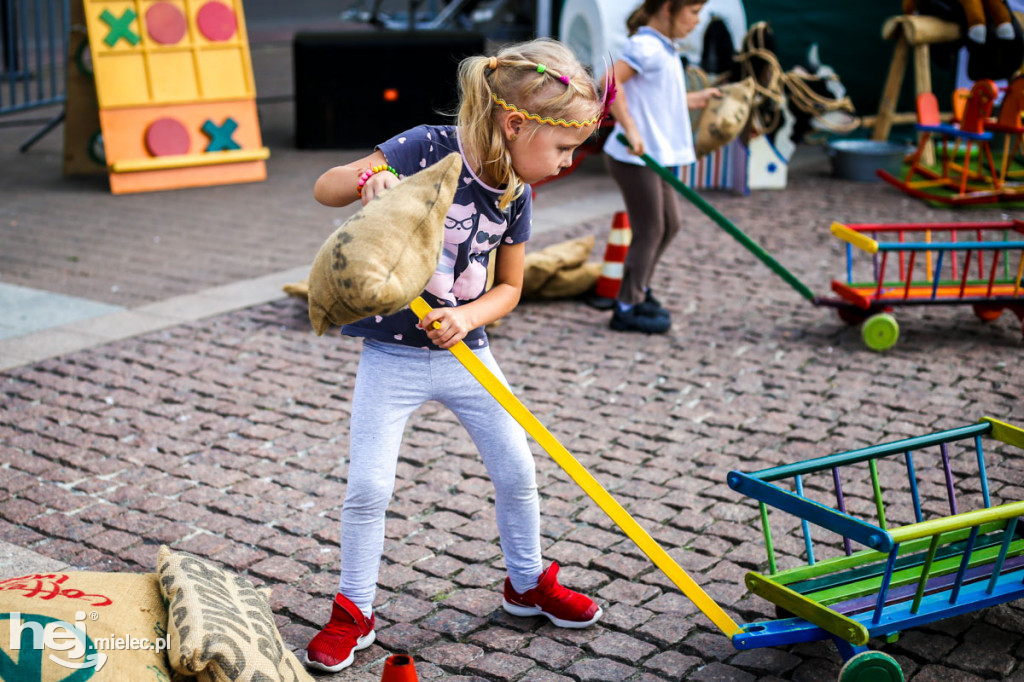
x=366, y=175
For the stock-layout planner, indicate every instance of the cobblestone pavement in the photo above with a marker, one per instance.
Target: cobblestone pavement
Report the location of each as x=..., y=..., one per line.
x=227, y=437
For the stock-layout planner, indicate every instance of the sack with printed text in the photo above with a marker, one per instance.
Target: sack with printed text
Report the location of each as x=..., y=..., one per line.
x=221, y=627
x=101, y=627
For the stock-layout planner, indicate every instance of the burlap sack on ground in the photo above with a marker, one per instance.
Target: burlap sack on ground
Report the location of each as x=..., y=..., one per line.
x=541, y=266
x=722, y=120
x=571, y=281
x=109, y=608
x=384, y=255
x=221, y=626
x=297, y=289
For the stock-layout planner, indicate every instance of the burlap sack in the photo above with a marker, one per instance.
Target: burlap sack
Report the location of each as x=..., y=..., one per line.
x=297, y=289
x=571, y=281
x=722, y=120
x=104, y=627
x=221, y=626
x=540, y=266
x=384, y=255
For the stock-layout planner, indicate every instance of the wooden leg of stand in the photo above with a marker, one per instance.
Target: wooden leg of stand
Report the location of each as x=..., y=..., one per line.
x=891, y=92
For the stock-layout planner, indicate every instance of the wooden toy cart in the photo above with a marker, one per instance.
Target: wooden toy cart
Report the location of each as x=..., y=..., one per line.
x=935, y=266
x=977, y=264
x=935, y=546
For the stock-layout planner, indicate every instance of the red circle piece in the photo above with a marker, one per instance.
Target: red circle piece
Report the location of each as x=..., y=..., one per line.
x=217, y=21
x=167, y=137
x=165, y=23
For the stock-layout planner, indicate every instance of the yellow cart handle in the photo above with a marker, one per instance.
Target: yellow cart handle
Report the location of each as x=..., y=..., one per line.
x=587, y=482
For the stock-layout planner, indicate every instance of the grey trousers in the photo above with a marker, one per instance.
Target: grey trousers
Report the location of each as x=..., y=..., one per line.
x=391, y=382
x=654, y=216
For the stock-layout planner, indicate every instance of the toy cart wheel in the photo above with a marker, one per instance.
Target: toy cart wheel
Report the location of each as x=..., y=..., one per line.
x=851, y=316
x=987, y=312
x=880, y=332
x=871, y=666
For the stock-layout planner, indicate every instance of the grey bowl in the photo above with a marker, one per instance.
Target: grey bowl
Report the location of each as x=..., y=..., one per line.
x=859, y=159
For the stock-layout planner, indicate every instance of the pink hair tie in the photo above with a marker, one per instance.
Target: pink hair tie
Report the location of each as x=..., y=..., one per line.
x=564, y=79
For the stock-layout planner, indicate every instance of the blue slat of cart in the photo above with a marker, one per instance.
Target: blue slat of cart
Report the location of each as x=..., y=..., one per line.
x=815, y=512
x=933, y=607
x=912, y=477
x=872, y=452
x=781, y=632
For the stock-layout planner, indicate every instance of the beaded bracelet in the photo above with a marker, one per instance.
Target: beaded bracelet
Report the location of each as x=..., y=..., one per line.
x=366, y=175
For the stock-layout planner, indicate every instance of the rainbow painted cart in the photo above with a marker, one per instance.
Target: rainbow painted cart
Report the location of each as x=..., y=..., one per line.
x=936, y=546
x=934, y=267
x=977, y=264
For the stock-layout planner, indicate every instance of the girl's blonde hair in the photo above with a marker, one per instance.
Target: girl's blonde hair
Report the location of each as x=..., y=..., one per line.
x=642, y=14
x=541, y=77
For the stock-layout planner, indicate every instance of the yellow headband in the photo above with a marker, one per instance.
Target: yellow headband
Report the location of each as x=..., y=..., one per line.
x=573, y=123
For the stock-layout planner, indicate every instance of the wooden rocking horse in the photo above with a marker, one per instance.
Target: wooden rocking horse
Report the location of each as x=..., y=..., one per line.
x=1008, y=123
x=956, y=183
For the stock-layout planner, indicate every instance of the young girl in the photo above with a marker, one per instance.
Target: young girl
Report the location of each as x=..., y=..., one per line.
x=651, y=110
x=522, y=114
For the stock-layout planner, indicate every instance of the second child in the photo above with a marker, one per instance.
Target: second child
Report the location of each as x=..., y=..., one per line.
x=651, y=111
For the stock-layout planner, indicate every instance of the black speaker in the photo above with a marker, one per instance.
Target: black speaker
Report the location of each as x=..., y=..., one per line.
x=358, y=89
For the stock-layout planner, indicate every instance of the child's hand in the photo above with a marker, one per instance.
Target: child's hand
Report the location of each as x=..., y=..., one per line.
x=376, y=184
x=636, y=143
x=452, y=326
x=701, y=98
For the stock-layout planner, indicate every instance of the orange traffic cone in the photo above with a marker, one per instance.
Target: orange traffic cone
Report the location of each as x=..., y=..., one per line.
x=607, y=288
x=399, y=668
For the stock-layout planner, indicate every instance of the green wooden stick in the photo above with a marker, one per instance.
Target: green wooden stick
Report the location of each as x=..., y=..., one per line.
x=725, y=224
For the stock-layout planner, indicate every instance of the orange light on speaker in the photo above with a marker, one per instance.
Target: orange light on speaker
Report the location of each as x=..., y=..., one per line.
x=391, y=95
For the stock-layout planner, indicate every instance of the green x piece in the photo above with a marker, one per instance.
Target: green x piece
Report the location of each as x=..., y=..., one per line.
x=120, y=27
x=220, y=135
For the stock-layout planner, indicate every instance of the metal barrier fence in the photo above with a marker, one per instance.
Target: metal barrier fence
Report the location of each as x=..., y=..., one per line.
x=33, y=53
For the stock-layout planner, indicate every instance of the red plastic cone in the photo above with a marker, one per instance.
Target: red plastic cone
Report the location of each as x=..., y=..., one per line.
x=399, y=668
x=614, y=256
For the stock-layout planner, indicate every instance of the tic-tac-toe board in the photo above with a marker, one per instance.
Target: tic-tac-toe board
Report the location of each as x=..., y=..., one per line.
x=175, y=88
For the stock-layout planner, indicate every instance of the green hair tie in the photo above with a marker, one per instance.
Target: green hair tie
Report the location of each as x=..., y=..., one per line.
x=541, y=68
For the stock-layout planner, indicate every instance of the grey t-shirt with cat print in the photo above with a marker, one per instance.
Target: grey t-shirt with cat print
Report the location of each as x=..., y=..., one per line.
x=474, y=226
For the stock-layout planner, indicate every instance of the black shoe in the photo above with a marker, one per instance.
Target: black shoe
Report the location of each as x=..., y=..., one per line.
x=652, y=306
x=634, y=320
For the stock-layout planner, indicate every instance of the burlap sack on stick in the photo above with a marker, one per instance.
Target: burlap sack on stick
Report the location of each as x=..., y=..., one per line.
x=119, y=618
x=722, y=120
x=384, y=255
x=221, y=626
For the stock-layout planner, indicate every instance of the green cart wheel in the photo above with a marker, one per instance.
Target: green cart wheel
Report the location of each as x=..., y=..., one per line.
x=880, y=332
x=871, y=666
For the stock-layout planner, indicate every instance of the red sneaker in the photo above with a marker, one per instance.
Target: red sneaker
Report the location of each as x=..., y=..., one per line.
x=348, y=631
x=562, y=606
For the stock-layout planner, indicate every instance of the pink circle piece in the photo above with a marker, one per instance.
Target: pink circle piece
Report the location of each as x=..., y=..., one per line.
x=165, y=23
x=217, y=21
x=167, y=137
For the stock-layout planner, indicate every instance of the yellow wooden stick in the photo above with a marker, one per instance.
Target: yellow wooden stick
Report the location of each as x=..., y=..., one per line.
x=587, y=482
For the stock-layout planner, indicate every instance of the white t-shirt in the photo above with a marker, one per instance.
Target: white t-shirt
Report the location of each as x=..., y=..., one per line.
x=656, y=97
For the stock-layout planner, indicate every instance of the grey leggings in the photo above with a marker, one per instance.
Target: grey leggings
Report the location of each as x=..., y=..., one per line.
x=391, y=382
x=654, y=215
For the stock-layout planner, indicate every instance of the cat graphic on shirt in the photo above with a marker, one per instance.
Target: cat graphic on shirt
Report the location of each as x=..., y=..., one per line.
x=458, y=226
x=473, y=279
